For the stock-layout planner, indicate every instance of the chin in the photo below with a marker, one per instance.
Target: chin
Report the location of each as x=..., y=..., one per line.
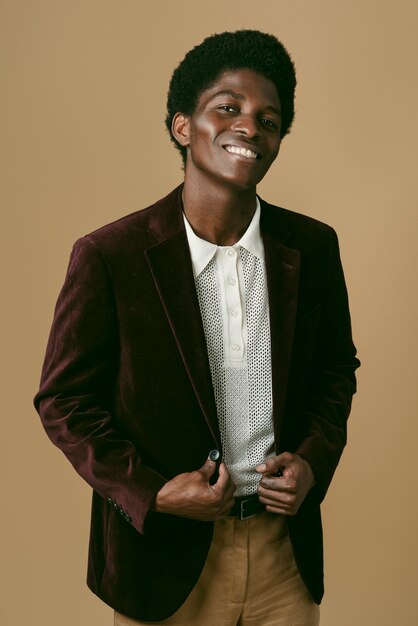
x=240, y=181
x=245, y=183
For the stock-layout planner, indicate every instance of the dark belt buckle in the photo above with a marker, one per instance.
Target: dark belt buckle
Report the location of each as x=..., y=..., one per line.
x=248, y=508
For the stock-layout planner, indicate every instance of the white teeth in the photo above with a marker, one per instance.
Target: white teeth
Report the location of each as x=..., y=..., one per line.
x=242, y=151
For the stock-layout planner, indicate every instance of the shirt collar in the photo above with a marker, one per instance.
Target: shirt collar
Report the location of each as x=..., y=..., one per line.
x=202, y=251
x=251, y=239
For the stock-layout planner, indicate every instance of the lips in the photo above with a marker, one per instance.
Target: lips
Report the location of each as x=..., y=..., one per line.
x=242, y=151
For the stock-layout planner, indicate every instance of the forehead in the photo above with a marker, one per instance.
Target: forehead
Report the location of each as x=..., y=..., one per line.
x=246, y=85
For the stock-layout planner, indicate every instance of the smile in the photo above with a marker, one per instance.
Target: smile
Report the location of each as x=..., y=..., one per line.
x=245, y=152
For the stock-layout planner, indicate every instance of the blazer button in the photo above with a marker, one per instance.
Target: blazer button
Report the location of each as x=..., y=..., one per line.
x=109, y=501
x=214, y=455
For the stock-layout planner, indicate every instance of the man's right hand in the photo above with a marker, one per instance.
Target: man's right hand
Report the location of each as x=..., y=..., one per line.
x=191, y=495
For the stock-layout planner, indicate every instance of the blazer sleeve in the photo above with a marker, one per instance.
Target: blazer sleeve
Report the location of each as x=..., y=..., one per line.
x=76, y=396
x=332, y=382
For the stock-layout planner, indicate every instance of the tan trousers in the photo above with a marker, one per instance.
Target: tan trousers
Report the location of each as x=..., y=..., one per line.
x=249, y=579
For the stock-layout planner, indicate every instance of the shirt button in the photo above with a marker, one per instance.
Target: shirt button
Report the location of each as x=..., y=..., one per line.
x=236, y=347
x=231, y=252
x=230, y=280
x=233, y=312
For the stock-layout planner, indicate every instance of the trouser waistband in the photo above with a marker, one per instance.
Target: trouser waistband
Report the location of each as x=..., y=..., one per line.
x=247, y=506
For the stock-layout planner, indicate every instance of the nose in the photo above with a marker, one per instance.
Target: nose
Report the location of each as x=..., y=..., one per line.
x=247, y=125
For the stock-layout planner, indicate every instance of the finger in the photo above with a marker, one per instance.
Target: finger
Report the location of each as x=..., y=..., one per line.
x=229, y=493
x=287, y=501
x=224, y=479
x=225, y=489
x=227, y=504
x=286, y=485
x=276, y=499
x=207, y=470
x=288, y=508
x=274, y=494
x=278, y=507
x=274, y=463
x=280, y=510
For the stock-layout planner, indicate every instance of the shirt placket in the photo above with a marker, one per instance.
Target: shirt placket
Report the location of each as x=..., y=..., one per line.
x=234, y=340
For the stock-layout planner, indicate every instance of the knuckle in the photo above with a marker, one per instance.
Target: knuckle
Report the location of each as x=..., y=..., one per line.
x=272, y=509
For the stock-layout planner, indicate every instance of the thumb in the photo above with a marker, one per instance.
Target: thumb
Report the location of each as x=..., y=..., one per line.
x=274, y=463
x=208, y=469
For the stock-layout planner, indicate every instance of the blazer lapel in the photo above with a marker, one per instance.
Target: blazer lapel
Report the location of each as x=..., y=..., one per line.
x=282, y=268
x=171, y=267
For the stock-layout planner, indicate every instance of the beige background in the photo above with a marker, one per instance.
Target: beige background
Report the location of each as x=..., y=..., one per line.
x=83, y=142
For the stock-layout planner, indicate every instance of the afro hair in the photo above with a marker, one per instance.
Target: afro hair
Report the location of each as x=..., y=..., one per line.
x=229, y=51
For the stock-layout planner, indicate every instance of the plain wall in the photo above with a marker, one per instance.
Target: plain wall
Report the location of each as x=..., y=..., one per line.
x=82, y=142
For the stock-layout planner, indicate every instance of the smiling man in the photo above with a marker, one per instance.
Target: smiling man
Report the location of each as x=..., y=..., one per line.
x=200, y=368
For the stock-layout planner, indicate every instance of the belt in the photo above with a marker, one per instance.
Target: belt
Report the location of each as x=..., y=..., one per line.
x=247, y=506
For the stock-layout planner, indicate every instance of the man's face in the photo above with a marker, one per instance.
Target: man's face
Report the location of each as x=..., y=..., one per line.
x=233, y=136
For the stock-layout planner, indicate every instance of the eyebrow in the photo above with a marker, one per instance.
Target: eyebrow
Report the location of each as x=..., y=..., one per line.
x=240, y=96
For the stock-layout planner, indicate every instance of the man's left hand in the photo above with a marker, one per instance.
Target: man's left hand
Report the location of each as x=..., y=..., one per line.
x=284, y=493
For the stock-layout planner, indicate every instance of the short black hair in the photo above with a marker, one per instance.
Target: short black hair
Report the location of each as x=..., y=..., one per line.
x=203, y=65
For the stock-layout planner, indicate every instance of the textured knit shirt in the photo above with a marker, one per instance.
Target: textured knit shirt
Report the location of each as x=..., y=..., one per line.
x=233, y=299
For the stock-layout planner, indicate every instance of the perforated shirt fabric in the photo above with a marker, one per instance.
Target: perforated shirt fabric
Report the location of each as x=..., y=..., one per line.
x=233, y=299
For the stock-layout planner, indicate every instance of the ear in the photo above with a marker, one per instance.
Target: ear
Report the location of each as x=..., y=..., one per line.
x=180, y=127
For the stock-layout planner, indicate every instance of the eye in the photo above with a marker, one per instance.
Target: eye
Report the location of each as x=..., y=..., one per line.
x=269, y=123
x=227, y=108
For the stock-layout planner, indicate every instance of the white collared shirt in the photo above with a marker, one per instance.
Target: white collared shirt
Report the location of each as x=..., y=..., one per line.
x=233, y=298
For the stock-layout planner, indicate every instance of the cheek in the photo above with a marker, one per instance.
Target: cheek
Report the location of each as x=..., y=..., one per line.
x=275, y=149
x=206, y=131
x=201, y=131
x=273, y=154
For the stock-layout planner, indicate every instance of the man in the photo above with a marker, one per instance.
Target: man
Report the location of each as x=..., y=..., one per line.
x=215, y=326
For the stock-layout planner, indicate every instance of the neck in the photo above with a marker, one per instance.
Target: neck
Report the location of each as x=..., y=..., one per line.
x=218, y=214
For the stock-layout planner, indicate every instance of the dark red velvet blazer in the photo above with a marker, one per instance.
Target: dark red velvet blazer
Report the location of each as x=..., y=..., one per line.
x=126, y=391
